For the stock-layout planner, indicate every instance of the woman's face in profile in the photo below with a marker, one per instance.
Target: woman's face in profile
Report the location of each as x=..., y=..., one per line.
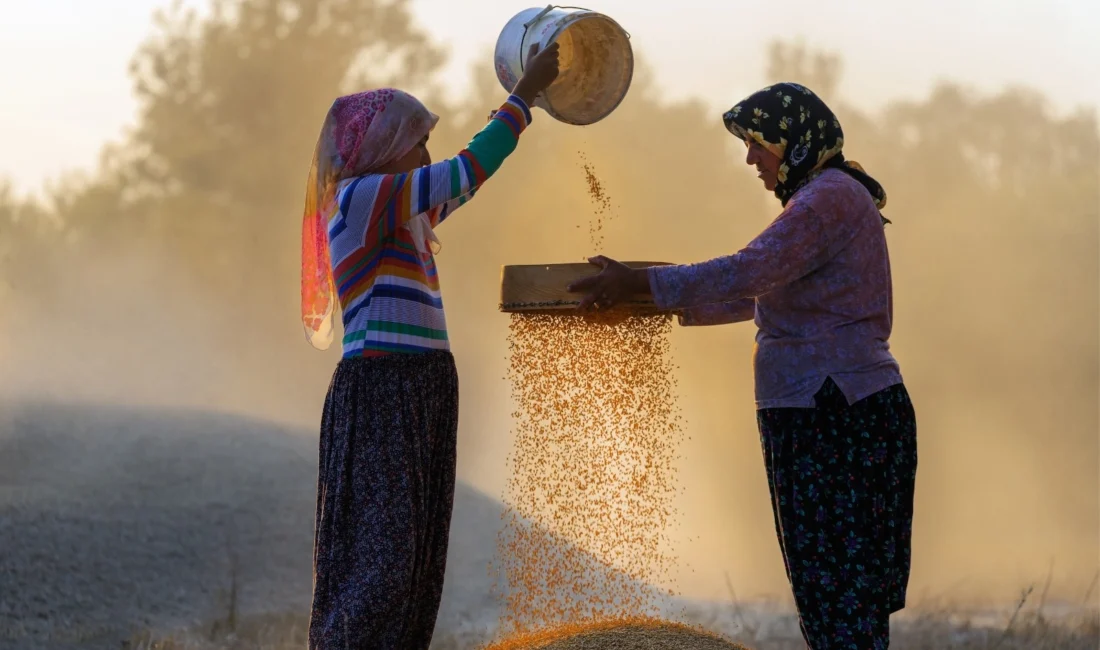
x=766, y=163
x=416, y=158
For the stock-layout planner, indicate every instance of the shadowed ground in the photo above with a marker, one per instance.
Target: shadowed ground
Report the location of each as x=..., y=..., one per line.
x=117, y=519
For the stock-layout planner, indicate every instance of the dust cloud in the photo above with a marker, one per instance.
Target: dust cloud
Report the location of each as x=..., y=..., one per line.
x=169, y=278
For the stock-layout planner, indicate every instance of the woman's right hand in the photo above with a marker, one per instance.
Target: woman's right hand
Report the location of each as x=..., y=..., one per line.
x=541, y=71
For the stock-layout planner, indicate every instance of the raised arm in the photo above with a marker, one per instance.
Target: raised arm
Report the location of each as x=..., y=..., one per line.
x=381, y=203
x=439, y=213
x=485, y=150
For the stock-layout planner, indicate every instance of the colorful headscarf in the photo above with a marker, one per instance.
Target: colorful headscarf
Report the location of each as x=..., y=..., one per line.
x=793, y=123
x=361, y=133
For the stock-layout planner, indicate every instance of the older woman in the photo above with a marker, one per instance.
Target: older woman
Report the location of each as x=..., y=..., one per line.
x=836, y=424
x=389, y=429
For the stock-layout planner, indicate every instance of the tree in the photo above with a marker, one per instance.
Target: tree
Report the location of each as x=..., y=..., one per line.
x=27, y=231
x=231, y=106
x=818, y=70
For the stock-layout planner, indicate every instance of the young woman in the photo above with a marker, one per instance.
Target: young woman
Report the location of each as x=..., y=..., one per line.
x=389, y=429
x=836, y=424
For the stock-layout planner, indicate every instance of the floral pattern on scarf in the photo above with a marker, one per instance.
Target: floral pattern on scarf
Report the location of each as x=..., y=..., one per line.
x=795, y=125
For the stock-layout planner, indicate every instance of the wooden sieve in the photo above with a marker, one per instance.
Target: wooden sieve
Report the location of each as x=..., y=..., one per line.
x=542, y=287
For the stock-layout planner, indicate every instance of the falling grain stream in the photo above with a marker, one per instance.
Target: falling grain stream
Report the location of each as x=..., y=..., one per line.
x=592, y=482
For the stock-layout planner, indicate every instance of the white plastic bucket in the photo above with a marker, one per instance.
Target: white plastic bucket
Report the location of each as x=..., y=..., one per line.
x=596, y=60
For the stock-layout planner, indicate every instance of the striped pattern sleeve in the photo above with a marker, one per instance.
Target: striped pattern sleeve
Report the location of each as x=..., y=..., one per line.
x=438, y=214
x=437, y=189
x=489, y=148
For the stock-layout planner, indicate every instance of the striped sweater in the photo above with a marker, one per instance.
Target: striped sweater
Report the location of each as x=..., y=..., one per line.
x=388, y=291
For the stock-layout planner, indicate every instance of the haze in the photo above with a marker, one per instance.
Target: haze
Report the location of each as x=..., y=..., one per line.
x=166, y=274
x=63, y=62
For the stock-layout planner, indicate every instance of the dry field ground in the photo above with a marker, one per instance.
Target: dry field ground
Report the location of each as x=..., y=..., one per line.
x=178, y=530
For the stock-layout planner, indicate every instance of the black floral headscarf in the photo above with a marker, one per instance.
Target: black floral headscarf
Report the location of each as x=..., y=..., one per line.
x=790, y=121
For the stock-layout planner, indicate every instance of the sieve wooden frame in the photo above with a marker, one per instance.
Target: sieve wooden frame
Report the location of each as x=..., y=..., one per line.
x=542, y=287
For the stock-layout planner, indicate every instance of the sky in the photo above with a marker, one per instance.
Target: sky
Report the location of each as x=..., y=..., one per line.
x=63, y=63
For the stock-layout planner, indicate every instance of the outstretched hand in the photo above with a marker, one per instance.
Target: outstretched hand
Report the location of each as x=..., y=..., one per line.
x=615, y=282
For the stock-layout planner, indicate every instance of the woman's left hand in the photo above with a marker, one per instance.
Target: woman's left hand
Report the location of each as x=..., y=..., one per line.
x=614, y=283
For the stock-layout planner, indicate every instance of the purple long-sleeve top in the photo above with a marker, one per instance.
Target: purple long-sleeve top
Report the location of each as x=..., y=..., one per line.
x=817, y=281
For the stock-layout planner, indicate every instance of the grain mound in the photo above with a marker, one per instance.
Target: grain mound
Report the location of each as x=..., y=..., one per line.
x=625, y=634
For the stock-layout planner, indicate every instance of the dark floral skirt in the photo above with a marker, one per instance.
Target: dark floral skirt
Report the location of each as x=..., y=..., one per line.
x=385, y=489
x=842, y=480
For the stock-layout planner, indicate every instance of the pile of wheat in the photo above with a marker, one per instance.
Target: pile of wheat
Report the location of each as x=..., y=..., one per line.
x=625, y=634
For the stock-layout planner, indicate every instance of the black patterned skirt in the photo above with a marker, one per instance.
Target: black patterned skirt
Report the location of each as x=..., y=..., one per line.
x=385, y=490
x=842, y=480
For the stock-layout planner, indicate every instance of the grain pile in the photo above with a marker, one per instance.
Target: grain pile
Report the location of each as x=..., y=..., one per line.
x=592, y=472
x=625, y=634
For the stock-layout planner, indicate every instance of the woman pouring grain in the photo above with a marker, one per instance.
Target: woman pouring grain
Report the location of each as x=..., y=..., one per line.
x=389, y=428
x=836, y=424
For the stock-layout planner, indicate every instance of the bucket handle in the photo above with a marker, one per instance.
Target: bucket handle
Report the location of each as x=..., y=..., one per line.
x=548, y=9
x=581, y=9
x=538, y=17
x=527, y=26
